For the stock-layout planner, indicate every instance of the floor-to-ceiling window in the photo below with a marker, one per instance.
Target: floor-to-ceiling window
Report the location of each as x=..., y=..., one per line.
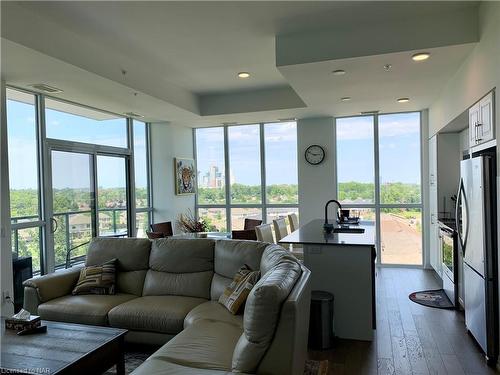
x=25, y=194
x=246, y=171
x=379, y=177
x=142, y=172
x=75, y=172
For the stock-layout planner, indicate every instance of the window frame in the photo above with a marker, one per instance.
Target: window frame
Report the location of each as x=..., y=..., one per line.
x=377, y=206
x=228, y=206
x=45, y=145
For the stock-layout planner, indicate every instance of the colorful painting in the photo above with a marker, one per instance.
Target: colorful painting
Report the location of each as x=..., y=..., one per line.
x=185, y=176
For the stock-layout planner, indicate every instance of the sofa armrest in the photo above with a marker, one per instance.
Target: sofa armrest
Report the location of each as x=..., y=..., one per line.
x=287, y=353
x=41, y=289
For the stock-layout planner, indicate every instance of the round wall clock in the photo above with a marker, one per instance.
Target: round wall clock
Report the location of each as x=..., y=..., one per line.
x=315, y=154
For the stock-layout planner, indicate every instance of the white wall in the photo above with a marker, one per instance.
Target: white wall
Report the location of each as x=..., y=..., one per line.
x=167, y=142
x=316, y=182
x=5, y=246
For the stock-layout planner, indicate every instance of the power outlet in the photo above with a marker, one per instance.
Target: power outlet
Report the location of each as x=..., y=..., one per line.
x=6, y=296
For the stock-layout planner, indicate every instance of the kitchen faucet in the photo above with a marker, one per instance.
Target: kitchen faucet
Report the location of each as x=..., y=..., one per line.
x=328, y=228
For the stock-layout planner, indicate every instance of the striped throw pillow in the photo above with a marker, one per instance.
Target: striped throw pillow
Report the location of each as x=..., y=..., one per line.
x=236, y=293
x=97, y=279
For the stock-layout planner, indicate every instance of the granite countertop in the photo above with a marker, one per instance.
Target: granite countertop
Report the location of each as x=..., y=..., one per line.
x=312, y=234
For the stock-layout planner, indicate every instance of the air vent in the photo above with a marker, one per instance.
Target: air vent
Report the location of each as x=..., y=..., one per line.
x=229, y=123
x=133, y=114
x=369, y=112
x=46, y=88
x=290, y=119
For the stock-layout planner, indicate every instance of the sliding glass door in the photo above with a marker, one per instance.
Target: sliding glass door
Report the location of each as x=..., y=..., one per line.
x=379, y=177
x=89, y=197
x=73, y=205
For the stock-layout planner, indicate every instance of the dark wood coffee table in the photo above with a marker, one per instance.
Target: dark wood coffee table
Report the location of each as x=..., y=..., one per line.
x=65, y=349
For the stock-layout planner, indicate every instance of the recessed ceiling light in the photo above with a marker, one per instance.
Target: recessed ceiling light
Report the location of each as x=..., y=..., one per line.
x=403, y=100
x=345, y=98
x=421, y=56
x=244, y=75
x=338, y=72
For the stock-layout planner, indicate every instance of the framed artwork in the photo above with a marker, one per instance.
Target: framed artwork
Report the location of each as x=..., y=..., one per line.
x=185, y=176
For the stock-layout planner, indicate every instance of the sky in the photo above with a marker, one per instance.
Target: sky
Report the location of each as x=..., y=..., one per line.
x=399, y=148
x=244, y=152
x=111, y=171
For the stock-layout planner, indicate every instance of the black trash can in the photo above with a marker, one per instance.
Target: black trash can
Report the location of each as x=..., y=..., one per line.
x=321, y=321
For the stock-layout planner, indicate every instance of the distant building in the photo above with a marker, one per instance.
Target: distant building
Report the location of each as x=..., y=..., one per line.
x=213, y=179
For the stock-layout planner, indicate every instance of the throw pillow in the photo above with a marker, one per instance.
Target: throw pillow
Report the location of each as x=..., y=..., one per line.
x=236, y=293
x=97, y=279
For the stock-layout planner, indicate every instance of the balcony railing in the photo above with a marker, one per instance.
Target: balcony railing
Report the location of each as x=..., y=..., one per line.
x=75, y=236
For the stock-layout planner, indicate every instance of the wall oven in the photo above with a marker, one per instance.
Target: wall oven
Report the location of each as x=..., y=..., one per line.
x=449, y=250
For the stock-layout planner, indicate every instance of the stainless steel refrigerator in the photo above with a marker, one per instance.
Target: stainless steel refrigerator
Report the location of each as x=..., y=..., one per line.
x=477, y=231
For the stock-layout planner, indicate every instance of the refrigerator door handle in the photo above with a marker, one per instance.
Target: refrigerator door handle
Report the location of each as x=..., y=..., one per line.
x=462, y=200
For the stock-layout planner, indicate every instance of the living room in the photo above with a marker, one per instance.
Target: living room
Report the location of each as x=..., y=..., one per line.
x=212, y=118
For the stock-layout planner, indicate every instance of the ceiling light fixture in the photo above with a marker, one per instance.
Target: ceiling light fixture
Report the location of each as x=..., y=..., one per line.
x=403, y=100
x=421, y=56
x=46, y=88
x=338, y=72
x=345, y=98
x=243, y=75
x=133, y=114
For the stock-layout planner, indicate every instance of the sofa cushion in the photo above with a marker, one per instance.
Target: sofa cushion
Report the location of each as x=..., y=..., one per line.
x=157, y=366
x=229, y=256
x=84, y=309
x=182, y=267
x=204, y=345
x=262, y=312
x=219, y=284
x=195, y=284
x=213, y=311
x=177, y=255
x=132, y=256
x=163, y=314
x=273, y=255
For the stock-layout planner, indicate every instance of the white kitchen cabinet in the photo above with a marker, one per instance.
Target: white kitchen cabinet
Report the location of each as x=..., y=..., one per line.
x=481, y=126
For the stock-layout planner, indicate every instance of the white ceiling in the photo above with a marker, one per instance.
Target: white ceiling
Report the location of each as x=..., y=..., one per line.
x=181, y=56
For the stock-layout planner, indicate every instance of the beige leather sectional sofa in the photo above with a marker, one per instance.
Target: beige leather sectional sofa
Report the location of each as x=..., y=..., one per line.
x=167, y=293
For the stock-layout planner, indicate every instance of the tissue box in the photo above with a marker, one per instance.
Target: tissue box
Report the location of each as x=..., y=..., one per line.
x=20, y=325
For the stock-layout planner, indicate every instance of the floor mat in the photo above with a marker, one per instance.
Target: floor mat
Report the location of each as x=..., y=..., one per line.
x=432, y=298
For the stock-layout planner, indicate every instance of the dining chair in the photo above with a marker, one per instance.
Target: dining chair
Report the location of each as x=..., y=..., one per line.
x=164, y=227
x=280, y=228
x=245, y=234
x=264, y=233
x=251, y=223
x=153, y=235
x=293, y=219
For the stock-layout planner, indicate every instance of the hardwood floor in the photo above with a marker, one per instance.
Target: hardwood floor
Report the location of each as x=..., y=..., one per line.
x=410, y=338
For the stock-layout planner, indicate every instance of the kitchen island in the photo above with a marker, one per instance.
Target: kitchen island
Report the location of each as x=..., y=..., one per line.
x=342, y=263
